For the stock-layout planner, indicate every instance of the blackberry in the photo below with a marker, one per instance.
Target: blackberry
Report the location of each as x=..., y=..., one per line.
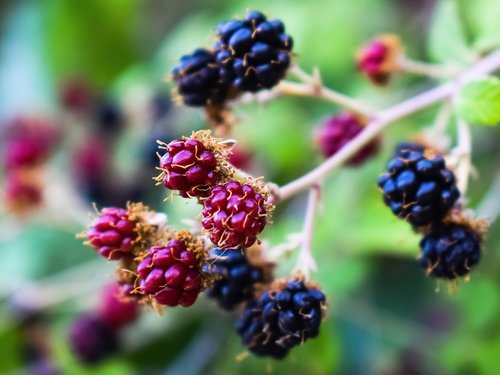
x=237, y=278
x=172, y=274
x=417, y=188
x=377, y=59
x=234, y=214
x=253, y=53
x=197, y=79
x=284, y=317
x=117, y=309
x=91, y=339
x=339, y=130
x=450, y=250
x=192, y=165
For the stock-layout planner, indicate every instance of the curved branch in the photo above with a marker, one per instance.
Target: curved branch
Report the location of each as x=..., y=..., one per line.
x=386, y=118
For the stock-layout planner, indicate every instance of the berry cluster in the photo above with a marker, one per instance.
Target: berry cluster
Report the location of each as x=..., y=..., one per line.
x=377, y=60
x=419, y=188
x=249, y=55
x=117, y=233
x=94, y=336
x=339, y=130
x=172, y=274
x=28, y=143
x=450, y=250
x=283, y=317
x=234, y=212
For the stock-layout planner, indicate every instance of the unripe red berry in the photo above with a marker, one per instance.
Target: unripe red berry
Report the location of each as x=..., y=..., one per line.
x=28, y=142
x=22, y=192
x=172, y=274
x=240, y=158
x=377, y=59
x=21, y=152
x=117, y=309
x=75, y=95
x=192, y=165
x=91, y=160
x=113, y=233
x=234, y=214
x=339, y=130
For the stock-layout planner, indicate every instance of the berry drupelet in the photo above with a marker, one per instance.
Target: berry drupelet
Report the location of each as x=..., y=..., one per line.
x=91, y=339
x=284, y=317
x=198, y=81
x=172, y=274
x=193, y=165
x=377, y=59
x=236, y=277
x=234, y=214
x=418, y=188
x=450, y=250
x=253, y=53
x=113, y=232
x=338, y=130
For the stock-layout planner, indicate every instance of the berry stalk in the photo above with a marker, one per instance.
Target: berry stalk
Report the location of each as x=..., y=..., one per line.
x=309, y=86
x=385, y=118
x=305, y=261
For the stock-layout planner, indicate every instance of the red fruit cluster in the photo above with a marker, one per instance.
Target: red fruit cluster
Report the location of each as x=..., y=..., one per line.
x=234, y=214
x=189, y=167
x=377, y=59
x=113, y=233
x=339, y=130
x=27, y=144
x=117, y=309
x=171, y=274
x=22, y=192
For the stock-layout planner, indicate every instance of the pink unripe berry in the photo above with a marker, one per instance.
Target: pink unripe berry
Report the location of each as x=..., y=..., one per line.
x=171, y=274
x=339, y=130
x=377, y=59
x=112, y=233
x=234, y=214
x=117, y=309
x=188, y=167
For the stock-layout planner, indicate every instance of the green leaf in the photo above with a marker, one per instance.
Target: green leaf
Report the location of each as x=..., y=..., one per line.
x=483, y=19
x=447, y=41
x=479, y=101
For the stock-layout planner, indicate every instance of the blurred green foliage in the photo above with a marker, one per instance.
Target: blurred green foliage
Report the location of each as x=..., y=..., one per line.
x=377, y=292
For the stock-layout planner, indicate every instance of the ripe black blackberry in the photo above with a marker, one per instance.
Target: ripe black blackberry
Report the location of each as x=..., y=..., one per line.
x=253, y=53
x=418, y=188
x=237, y=277
x=450, y=250
x=286, y=316
x=198, y=81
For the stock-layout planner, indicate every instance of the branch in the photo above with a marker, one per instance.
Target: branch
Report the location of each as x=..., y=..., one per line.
x=463, y=152
x=385, y=118
x=408, y=65
x=305, y=261
x=310, y=86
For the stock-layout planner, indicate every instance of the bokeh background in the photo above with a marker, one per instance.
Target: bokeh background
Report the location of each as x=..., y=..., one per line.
x=97, y=70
